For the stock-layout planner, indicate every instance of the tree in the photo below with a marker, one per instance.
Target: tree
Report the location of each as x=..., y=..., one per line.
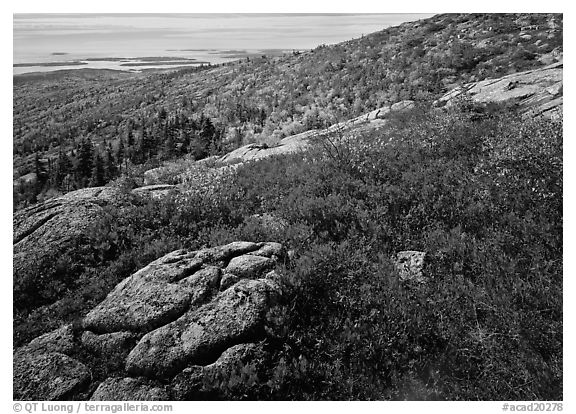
x=84, y=162
x=120, y=152
x=169, y=146
x=98, y=175
x=63, y=167
x=208, y=138
x=207, y=130
x=129, y=136
x=110, y=168
x=40, y=170
x=147, y=147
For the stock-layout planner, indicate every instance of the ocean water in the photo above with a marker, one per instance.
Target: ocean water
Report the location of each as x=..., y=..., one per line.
x=215, y=38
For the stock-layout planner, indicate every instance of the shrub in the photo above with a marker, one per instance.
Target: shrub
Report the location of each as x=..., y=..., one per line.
x=478, y=189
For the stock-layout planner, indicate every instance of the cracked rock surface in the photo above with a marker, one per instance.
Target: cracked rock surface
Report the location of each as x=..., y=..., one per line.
x=536, y=92
x=169, y=319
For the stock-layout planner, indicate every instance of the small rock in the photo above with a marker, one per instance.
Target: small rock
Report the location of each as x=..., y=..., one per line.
x=410, y=264
x=275, y=277
x=129, y=389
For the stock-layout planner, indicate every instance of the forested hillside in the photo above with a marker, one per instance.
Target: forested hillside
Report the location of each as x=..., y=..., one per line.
x=81, y=128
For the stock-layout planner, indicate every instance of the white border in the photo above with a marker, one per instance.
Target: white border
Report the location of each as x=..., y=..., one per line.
x=301, y=6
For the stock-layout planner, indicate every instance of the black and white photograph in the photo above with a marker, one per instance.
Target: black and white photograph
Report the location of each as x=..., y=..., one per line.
x=283, y=206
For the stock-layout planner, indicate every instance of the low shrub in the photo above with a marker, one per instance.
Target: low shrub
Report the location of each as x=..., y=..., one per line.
x=478, y=189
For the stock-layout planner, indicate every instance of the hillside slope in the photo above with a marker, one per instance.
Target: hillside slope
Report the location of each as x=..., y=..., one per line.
x=261, y=99
x=469, y=200
x=412, y=252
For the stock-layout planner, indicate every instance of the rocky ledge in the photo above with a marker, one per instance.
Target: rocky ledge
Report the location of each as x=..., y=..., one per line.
x=51, y=228
x=302, y=141
x=175, y=326
x=537, y=92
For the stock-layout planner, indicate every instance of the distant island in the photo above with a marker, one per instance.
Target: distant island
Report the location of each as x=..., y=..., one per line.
x=154, y=62
x=47, y=64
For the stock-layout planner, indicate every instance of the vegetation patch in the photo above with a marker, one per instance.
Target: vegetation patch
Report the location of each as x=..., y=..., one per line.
x=478, y=189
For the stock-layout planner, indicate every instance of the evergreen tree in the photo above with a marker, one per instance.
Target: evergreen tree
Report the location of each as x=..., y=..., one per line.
x=144, y=147
x=207, y=136
x=184, y=142
x=120, y=152
x=98, y=174
x=110, y=168
x=84, y=162
x=40, y=171
x=63, y=167
x=129, y=136
x=169, y=147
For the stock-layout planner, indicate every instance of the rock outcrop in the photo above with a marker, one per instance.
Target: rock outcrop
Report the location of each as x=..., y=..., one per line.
x=129, y=389
x=189, y=314
x=288, y=145
x=204, y=175
x=155, y=191
x=47, y=375
x=47, y=230
x=536, y=92
x=303, y=141
x=199, y=381
x=200, y=336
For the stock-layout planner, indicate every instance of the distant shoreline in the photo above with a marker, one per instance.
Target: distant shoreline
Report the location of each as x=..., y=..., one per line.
x=179, y=63
x=144, y=63
x=48, y=64
x=130, y=61
x=91, y=72
x=141, y=59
